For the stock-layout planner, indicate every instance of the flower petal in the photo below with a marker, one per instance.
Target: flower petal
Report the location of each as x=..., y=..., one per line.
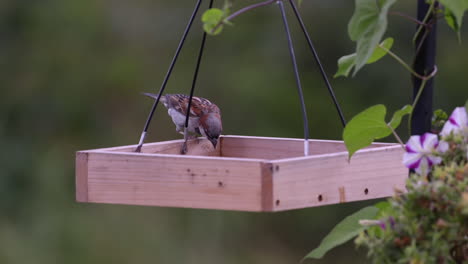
x=448, y=128
x=429, y=141
x=409, y=149
x=459, y=116
x=423, y=166
x=382, y=225
x=458, y=121
x=412, y=160
x=414, y=144
x=443, y=146
x=433, y=160
x=419, y=152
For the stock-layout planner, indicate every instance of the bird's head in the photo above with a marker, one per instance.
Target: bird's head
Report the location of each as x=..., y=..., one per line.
x=212, y=126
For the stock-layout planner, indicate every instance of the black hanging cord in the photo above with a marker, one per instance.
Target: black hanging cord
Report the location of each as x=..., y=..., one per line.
x=195, y=75
x=298, y=80
x=168, y=74
x=319, y=64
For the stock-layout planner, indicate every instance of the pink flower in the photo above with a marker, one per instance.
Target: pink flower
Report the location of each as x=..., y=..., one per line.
x=420, y=152
x=457, y=123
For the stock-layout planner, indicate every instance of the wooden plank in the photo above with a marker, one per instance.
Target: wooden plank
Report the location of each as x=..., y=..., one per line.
x=174, y=181
x=243, y=147
x=81, y=174
x=328, y=179
x=197, y=147
x=267, y=186
x=278, y=148
x=268, y=174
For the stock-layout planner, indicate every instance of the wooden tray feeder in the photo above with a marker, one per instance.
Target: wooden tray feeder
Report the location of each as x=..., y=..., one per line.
x=244, y=173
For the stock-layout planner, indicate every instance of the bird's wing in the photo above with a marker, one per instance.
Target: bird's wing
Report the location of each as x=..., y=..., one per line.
x=180, y=103
x=214, y=109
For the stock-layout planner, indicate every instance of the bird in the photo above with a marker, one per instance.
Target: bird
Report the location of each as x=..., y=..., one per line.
x=204, y=117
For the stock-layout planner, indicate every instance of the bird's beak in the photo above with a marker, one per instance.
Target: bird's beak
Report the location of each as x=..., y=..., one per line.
x=214, y=141
x=155, y=96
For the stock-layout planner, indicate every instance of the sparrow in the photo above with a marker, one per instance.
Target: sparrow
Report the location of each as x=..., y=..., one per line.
x=204, y=117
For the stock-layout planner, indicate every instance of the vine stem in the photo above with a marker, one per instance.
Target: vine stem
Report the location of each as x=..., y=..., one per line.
x=410, y=18
x=397, y=137
x=421, y=89
x=418, y=95
x=406, y=66
x=428, y=25
x=424, y=80
x=241, y=11
x=424, y=22
x=250, y=7
x=423, y=38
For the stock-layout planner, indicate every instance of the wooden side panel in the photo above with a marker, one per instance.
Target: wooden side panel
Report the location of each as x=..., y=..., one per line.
x=267, y=187
x=278, y=148
x=196, y=147
x=328, y=179
x=175, y=181
x=81, y=176
x=252, y=174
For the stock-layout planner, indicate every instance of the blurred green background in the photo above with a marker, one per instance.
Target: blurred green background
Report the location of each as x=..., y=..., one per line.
x=71, y=74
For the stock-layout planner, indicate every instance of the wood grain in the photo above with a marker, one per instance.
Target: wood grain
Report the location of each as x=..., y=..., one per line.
x=175, y=181
x=328, y=179
x=245, y=174
x=197, y=147
x=81, y=179
x=267, y=186
x=278, y=148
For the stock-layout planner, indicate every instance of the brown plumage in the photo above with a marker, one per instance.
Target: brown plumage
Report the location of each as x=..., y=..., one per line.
x=204, y=117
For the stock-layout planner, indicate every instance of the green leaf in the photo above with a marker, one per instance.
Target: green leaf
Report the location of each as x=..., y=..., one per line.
x=398, y=115
x=451, y=20
x=367, y=27
x=213, y=16
x=455, y=9
x=343, y=232
x=439, y=117
x=439, y=114
x=227, y=7
x=369, y=125
x=381, y=50
x=383, y=207
x=364, y=128
x=227, y=11
x=213, y=21
x=346, y=63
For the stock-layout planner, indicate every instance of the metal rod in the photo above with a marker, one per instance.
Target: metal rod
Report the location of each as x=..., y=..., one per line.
x=319, y=64
x=195, y=75
x=168, y=74
x=192, y=90
x=424, y=64
x=296, y=75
